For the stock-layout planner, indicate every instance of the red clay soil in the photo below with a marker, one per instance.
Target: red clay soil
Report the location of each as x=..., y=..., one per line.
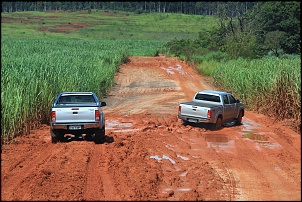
x=149, y=155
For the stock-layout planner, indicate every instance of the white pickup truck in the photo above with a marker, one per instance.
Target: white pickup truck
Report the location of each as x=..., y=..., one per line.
x=77, y=113
x=214, y=107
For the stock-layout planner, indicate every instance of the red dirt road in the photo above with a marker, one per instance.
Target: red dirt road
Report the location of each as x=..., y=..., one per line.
x=150, y=155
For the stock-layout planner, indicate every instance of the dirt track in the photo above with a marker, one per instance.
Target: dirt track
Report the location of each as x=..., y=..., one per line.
x=150, y=155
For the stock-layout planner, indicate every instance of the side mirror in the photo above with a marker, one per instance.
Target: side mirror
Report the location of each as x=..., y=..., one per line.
x=237, y=101
x=103, y=104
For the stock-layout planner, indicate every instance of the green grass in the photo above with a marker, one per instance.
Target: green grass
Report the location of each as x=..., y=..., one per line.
x=269, y=85
x=208, y=62
x=105, y=25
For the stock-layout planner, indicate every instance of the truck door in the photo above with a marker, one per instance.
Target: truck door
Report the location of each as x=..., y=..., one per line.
x=234, y=105
x=229, y=108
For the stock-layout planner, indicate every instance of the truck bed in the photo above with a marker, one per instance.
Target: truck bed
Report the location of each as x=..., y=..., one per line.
x=200, y=104
x=196, y=111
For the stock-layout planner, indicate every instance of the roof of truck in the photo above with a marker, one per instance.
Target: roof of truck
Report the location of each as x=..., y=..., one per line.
x=76, y=92
x=213, y=92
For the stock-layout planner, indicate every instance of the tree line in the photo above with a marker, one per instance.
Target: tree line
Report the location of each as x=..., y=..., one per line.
x=195, y=8
x=271, y=28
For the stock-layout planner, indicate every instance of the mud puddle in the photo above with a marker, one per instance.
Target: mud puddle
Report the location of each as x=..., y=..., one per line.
x=117, y=126
x=251, y=132
x=219, y=141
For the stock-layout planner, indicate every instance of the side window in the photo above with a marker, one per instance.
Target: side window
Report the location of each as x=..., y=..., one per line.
x=232, y=99
x=226, y=99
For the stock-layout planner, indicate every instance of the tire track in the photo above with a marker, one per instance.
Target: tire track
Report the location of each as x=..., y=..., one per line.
x=26, y=166
x=99, y=183
x=93, y=189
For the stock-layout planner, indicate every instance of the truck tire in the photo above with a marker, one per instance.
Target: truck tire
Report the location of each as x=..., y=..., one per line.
x=99, y=136
x=184, y=122
x=89, y=136
x=218, y=124
x=55, y=136
x=239, y=119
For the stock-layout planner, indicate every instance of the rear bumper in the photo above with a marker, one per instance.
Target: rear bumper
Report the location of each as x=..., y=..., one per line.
x=194, y=119
x=65, y=126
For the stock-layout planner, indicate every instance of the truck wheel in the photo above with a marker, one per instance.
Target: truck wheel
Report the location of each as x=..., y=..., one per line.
x=218, y=124
x=55, y=136
x=184, y=122
x=239, y=119
x=54, y=140
x=100, y=135
x=89, y=137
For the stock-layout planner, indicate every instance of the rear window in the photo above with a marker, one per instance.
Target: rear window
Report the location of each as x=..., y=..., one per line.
x=207, y=97
x=69, y=99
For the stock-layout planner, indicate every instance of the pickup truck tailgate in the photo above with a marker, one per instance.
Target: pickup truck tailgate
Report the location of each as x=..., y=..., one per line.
x=75, y=114
x=194, y=109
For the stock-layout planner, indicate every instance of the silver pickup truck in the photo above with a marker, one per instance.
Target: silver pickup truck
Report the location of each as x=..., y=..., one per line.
x=214, y=107
x=77, y=113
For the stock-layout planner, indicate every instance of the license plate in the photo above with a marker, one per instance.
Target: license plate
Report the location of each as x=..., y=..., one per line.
x=74, y=127
x=192, y=120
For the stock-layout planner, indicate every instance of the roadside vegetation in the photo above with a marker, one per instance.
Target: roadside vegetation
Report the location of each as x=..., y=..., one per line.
x=269, y=85
x=43, y=53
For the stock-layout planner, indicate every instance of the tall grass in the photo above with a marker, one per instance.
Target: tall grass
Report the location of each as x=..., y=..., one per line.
x=34, y=71
x=269, y=85
x=208, y=62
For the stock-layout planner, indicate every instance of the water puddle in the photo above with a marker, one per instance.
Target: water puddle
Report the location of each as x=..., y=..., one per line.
x=175, y=189
x=249, y=124
x=164, y=157
x=170, y=147
x=260, y=138
x=216, y=138
x=182, y=157
x=114, y=124
x=125, y=130
x=256, y=137
x=219, y=142
x=230, y=124
x=172, y=70
x=184, y=174
x=117, y=126
x=250, y=132
x=196, y=157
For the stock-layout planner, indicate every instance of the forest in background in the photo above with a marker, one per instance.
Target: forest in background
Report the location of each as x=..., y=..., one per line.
x=195, y=8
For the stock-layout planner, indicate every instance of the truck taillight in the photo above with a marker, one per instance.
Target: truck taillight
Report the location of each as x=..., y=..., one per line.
x=53, y=116
x=179, y=109
x=209, y=114
x=97, y=115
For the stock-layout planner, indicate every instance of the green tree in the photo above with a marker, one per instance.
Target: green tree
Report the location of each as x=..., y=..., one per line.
x=281, y=16
x=274, y=40
x=241, y=45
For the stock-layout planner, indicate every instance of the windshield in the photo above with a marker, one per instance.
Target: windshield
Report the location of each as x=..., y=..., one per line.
x=207, y=97
x=70, y=99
